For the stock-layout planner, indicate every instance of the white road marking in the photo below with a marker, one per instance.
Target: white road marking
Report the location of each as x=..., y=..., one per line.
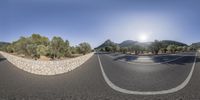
x=172, y=90
x=156, y=63
x=138, y=63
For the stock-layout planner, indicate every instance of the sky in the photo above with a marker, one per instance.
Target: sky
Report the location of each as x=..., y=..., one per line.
x=95, y=21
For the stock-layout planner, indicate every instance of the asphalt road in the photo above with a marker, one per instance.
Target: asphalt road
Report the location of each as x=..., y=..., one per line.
x=139, y=77
x=87, y=81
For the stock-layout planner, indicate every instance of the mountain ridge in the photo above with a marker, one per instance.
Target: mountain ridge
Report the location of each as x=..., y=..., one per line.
x=129, y=43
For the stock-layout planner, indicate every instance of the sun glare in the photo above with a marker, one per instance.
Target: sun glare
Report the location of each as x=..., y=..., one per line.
x=143, y=37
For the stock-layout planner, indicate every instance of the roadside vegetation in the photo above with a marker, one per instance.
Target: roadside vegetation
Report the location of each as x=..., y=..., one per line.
x=156, y=47
x=37, y=46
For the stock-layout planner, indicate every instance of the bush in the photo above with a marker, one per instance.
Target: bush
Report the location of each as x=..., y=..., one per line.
x=124, y=50
x=42, y=50
x=36, y=46
x=56, y=47
x=172, y=48
x=155, y=47
x=32, y=50
x=74, y=50
x=9, y=49
x=84, y=48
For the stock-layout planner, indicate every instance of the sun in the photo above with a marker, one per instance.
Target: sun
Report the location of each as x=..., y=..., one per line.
x=143, y=37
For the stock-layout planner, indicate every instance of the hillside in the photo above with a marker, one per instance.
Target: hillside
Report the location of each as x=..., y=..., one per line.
x=196, y=45
x=4, y=44
x=127, y=43
x=130, y=43
x=106, y=43
x=144, y=44
x=171, y=42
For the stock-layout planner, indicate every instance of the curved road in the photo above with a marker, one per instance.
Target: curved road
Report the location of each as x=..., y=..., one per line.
x=147, y=77
x=87, y=81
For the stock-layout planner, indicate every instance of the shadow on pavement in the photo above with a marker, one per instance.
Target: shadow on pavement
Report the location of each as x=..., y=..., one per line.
x=117, y=54
x=2, y=59
x=156, y=59
x=185, y=60
x=126, y=58
x=161, y=59
x=198, y=59
x=101, y=53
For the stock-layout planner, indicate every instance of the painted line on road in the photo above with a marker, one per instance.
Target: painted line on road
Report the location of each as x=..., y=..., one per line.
x=172, y=90
x=155, y=63
x=138, y=63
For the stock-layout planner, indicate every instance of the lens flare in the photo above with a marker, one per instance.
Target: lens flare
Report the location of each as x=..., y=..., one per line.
x=143, y=37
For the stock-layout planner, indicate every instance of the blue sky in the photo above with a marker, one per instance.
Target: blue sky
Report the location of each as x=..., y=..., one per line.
x=94, y=21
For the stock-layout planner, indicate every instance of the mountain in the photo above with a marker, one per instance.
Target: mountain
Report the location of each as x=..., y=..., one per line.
x=106, y=43
x=130, y=43
x=171, y=42
x=144, y=44
x=196, y=45
x=127, y=43
x=4, y=44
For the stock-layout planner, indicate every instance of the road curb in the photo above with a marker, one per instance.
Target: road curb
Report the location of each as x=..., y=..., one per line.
x=47, y=67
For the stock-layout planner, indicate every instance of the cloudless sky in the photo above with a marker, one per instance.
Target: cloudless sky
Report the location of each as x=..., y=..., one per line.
x=94, y=21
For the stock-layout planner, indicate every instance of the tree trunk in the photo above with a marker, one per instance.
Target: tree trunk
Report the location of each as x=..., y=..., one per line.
x=156, y=52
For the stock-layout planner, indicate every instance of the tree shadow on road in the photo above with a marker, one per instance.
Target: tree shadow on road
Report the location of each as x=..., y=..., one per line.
x=2, y=59
x=183, y=61
x=101, y=53
x=116, y=54
x=126, y=58
x=161, y=59
x=198, y=59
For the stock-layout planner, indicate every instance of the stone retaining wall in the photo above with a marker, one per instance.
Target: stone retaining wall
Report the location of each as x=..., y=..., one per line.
x=46, y=67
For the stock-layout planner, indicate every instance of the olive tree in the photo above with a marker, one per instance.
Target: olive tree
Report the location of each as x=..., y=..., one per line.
x=184, y=48
x=9, y=48
x=28, y=45
x=84, y=48
x=180, y=48
x=42, y=50
x=155, y=47
x=67, y=49
x=115, y=48
x=32, y=50
x=39, y=40
x=172, y=48
x=74, y=50
x=137, y=49
x=21, y=46
x=191, y=48
x=37, y=45
x=56, y=47
x=163, y=50
x=108, y=48
x=124, y=50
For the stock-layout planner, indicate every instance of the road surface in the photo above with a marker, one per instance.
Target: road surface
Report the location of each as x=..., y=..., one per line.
x=88, y=83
